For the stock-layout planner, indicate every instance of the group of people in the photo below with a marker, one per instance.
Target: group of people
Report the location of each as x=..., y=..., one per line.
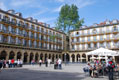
x=58, y=64
x=102, y=68
x=10, y=63
x=47, y=62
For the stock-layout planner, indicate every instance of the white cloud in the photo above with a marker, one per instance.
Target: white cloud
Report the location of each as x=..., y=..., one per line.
x=57, y=1
x=47, y=19
x=57, y=9
x=17, y=3
x=2, y=6
x=39, y=13
x=79, y=3
x=83, y=3
x=60, y=0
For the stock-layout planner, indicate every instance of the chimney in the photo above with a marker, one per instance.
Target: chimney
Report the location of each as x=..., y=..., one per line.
x=30, y=18
x=18, y=14
x=11, y=11
x=35, y=20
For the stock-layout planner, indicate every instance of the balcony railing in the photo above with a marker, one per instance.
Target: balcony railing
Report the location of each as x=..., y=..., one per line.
x=100, y=32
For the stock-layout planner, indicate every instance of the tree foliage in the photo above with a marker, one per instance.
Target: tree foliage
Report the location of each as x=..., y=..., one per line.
x=68, y=18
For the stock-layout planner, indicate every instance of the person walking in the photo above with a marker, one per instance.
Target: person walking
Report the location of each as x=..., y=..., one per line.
x=1, y=64
x=40, y=62
x=56, y=64
x=46, y=62
x=12, y=62
x=49, y=62
x=111, y=69
x=60, y=63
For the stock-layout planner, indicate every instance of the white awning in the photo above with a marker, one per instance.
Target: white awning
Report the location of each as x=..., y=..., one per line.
x=103, y=52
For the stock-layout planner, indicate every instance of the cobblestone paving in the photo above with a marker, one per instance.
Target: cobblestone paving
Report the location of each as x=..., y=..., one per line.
x=29, y=72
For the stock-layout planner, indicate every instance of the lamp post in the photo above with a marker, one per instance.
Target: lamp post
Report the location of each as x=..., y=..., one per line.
x=65, y=58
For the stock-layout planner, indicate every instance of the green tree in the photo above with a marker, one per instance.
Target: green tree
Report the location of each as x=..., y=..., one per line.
x=68, y=18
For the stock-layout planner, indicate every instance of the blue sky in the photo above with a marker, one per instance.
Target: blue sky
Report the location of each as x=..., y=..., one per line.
x=93, y=11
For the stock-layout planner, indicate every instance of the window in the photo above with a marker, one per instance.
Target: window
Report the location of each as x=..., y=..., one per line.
x=72, y=40
x=94, y=38
x=89, y=45
x=95, y=45
x=101, y=37
x=94, y=31
x=88, y=32
x=115, y=28
x=88, y=38
x=72, y=46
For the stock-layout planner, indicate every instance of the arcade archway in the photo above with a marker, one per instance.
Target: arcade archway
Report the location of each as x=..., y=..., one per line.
x=84, y=57
x=19, y=55
x=3, y=55
x=11, y=55
x=78, y=57
x=53, y=57
x=25, y=57
x=41, y=56
x=49, y=56
x=36, y=57
x=31, y=57
x=73, y=57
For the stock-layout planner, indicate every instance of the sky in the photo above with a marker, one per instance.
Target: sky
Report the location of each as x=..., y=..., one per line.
x=47, y=11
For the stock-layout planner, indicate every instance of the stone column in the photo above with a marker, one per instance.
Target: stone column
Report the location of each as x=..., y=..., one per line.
x=34, y=54
x=38, y=57
x=15, y=55
x=28, y=57
x=81, y=57
x=22, y=56
x=7, y=57
x=70, y=58
x=9, y=37
x=86, y=58
x=75, y=58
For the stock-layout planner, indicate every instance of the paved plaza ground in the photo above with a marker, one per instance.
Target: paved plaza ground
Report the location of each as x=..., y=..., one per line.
x=29, y=72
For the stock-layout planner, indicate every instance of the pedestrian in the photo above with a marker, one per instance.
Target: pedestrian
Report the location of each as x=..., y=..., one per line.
x=49, y=62
x=111, y=67
x=1, y=64
x=4, y=63
x=90, y=69
x=40, y=62
x=12, y=62
x=15, y=63
x=32, y=62
x=46, y=62
x=59, y=63
x=56, y=64
x=18, y=63
x=21, y=63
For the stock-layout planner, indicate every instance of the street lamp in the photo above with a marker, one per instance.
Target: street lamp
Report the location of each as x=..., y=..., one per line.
x=65, y=58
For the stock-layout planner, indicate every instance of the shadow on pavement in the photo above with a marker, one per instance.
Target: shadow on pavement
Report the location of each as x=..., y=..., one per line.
x=25, y=74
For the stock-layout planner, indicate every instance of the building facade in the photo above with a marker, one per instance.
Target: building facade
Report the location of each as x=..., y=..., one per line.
x=105, y=34
x=27, y=39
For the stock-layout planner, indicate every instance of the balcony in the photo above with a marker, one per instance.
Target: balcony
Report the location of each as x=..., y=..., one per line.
x=5, y=21
x=31, y=36
x=13, y=23
x=5, y=31
x=13, y=32
x=115, y=30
